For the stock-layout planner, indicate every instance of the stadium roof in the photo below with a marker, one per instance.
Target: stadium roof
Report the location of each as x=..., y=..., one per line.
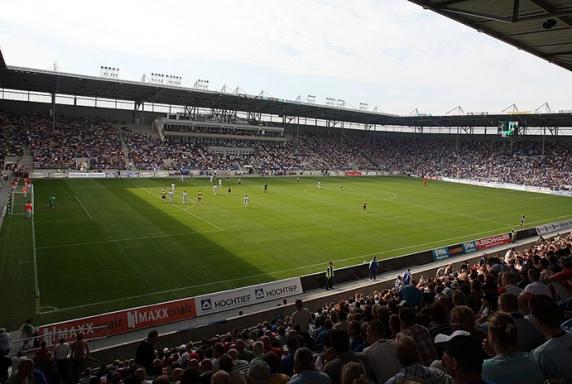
x=540, y=27
x=37, y=80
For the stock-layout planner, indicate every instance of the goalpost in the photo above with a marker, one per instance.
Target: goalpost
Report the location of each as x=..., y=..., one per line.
x=18, y=199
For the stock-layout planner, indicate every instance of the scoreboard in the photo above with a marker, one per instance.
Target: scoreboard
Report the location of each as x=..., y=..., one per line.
x=507, y=128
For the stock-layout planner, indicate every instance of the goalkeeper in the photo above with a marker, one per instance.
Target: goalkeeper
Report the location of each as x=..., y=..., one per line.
x=51, y=201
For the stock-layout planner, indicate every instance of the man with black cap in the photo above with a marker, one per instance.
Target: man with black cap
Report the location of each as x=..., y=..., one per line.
x=463, y=360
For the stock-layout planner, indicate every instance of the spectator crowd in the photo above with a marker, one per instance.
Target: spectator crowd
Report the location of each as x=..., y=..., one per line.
x=97, y=144
x=504, y=319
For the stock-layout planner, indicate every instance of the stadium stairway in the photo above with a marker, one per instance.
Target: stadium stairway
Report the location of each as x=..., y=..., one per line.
x=125, y=149
x=27, y=161
x=366, y=156
x=5, y=188
x=108, y=349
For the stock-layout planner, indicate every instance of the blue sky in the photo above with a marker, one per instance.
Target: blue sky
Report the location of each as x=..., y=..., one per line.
x=387, y=53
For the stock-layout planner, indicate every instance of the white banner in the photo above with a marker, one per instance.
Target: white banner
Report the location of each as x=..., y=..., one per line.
x=514, y=187
x=86, y=175
x=242, y=297
x=554, y=227
x=39, y=175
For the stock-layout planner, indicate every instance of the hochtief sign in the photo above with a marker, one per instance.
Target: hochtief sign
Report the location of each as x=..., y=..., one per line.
x=242, y=297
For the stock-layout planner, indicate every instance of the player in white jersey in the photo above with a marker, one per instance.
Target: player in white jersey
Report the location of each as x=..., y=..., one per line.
x=220, y=183
x=211, y=179
x=214, y=189
x=182, y=176
x=318, y=184
x=245, y=201
x=173, y=187
x=171, y=196
x=185, y=197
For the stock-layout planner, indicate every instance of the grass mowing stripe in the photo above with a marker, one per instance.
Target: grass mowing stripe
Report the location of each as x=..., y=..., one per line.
x=264, y=274
x=150, y=237
x=281, y=271
x=131, y=253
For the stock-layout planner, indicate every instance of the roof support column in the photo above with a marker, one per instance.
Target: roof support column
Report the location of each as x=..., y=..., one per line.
x=53, y=111
x=136, y=106
x=543, y=139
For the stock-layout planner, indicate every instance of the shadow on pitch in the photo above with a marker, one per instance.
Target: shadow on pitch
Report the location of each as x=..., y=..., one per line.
x=162, y=253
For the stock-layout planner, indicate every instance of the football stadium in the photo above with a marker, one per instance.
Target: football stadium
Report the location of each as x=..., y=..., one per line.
x=160, y=231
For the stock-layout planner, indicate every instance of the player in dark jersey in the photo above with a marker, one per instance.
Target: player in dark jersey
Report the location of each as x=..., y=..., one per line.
x=163, y=194
x=365, y=206
x=265, y=188
x=199, y=196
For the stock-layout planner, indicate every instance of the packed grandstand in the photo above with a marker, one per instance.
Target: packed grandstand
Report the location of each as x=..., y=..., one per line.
x=96, y=144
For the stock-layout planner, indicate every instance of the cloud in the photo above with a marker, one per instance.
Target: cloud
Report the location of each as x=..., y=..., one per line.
x=390, y=53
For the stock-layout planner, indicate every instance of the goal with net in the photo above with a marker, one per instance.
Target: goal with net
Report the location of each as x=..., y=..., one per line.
x=18, y=199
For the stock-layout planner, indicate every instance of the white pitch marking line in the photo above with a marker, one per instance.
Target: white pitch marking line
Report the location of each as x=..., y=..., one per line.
x=393, y=195
x=83, y=207
x=48, y=309
x=35, y=259
x=184, y=210
x=125, y=239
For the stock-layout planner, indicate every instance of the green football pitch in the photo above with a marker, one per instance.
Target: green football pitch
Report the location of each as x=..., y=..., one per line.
x=113, y=244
